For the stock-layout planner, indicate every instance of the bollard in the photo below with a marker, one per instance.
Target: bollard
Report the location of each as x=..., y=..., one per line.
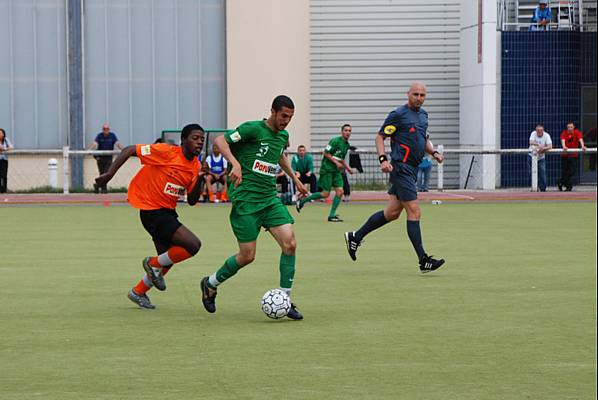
x=53, y=173
x=534, y=168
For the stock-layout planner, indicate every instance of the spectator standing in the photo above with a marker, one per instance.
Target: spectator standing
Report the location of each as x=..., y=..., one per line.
x=216, y=165
x=541, y=17
x=423, y=174
x=540, y=142
x=346, y=187
x=571, y=138
x=105, y=140
x=5, y=146
x=303, y=166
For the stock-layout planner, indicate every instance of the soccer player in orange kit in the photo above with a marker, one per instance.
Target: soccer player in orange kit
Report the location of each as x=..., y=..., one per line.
x=168, y=172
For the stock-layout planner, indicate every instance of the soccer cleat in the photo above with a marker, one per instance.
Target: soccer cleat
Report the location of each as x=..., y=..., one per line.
x=156, y=278
x=429, y=264
x=560, y=185
x=299, y=205
x=352, y=244
x=294, y=313
x=141, y=300
x=334, y=218
x=208, y=296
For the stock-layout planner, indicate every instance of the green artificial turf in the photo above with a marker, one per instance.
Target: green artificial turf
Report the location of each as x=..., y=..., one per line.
x=512, y=314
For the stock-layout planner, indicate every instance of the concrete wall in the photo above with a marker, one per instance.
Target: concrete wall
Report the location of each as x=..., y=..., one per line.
x=479, y=92
x=267, y=45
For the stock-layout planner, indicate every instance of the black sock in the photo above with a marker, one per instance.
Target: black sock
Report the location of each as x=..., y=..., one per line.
x=415, y=236
x=374, y=222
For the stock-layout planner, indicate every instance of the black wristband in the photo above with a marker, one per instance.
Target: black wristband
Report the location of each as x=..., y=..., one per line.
x=382, y=158
x=434, y=153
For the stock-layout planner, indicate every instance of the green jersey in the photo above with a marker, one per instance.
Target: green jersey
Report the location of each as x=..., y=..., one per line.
x=337, y=148
x=258, y=150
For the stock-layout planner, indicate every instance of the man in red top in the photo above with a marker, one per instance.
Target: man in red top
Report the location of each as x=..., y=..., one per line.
x=168, y=172
x=571, y=138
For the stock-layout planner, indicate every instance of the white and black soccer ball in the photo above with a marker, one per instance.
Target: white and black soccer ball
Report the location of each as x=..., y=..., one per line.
x=276, y=303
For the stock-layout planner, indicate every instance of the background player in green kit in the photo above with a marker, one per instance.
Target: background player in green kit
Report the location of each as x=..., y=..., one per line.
x=331, y=170
x=253, y=151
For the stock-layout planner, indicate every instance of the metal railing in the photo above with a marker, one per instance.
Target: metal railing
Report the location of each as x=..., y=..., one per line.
x=496, y=169
x=472, y=168
x=575, y=15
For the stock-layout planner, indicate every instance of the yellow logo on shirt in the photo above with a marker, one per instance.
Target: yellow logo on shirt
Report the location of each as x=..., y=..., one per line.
x=389, y=130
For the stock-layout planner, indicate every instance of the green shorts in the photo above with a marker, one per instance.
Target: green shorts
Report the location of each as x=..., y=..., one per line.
x=247, y=227
x=329, y=180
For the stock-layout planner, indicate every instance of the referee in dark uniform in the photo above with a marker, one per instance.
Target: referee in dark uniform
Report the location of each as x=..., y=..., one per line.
x=406, y=127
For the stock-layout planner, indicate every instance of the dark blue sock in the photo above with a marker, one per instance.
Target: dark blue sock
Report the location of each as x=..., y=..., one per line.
x=374, y=222
x=415, y=236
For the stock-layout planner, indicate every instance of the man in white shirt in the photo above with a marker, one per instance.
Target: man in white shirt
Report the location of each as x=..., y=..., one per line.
x=540, y=142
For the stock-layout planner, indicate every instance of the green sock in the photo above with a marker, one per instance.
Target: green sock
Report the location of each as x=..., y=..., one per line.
x=228, y=269
x=313, y=196
x=287, y=271
x=335, y=203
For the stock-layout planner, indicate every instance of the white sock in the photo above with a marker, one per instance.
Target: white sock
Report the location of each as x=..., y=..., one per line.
x=147, y=281
x=164, y=260
x=213, y=281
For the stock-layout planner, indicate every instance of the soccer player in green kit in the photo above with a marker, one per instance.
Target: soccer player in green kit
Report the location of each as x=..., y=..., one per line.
x=253, y=151
x=331, y=170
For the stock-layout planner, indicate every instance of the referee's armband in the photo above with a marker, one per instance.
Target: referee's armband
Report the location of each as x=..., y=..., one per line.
x=389, y=130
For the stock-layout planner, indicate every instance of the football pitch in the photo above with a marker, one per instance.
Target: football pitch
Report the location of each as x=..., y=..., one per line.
x=512, y=314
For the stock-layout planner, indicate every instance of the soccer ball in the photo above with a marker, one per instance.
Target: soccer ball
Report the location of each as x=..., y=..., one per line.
x=276, y=303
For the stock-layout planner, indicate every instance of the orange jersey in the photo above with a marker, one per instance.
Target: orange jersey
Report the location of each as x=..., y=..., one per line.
x=164, y=176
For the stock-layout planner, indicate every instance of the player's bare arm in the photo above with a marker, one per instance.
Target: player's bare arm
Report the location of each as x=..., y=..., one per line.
x=286, y=167
x=348, y=168
x=385, y=166
x=120, y=160
x=195, y=192
x=434, y=153
x=235, y=172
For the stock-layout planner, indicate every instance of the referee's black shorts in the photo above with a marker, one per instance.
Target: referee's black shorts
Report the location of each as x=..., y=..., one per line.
x=161, y=224
x=403, y=181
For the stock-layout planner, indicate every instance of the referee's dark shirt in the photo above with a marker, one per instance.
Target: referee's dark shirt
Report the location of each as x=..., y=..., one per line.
x=406, y=129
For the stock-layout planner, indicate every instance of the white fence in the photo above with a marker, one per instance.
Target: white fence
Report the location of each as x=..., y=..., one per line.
x=490, y=173
x=477, y=169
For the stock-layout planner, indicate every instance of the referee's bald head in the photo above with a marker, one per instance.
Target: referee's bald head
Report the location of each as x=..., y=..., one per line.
x=418, y=86
x=416, y=96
